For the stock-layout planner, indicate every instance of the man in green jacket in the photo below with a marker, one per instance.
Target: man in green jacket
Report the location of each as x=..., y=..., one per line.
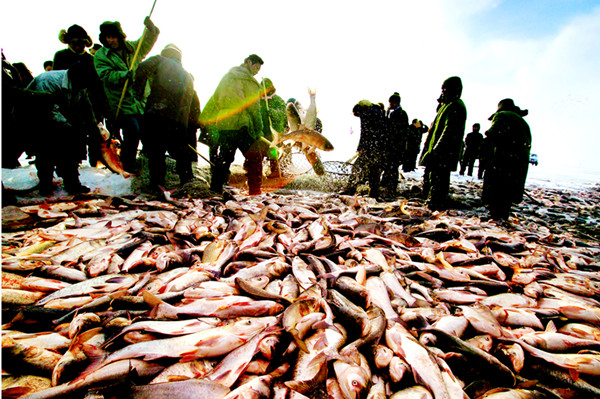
x=234, y=120
x=509, y=143
x=116, y=66
x=442, y=148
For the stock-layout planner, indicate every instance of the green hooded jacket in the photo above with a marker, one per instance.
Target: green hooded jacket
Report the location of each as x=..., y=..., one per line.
x=113, y=67
x=443, y=145
x=235, y=104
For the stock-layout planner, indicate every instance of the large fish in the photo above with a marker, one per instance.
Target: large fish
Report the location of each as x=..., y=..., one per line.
x=227, y=307
x=111, y=157
x=310, y=119
x=208, y=343
x=310, y=137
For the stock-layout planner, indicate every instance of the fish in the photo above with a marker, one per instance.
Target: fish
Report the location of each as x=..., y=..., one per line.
x=123, y=369
x=100, y=284
x=354, y=379
x=423, y=366
x=309, y=137
x=111, y=157
x=194, y=369
x=310, y=118
x=293, y=117
x=19, y=355
x=180, y=389
x=236, y=362
x=213, y=342
x=225, y=307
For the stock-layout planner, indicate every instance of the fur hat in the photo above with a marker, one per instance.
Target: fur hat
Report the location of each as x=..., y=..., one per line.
x=171, y=51
x=509, y=105
x=110, y=28
x=75, y=32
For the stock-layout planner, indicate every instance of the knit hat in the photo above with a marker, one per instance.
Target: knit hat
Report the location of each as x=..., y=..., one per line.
x=109, y=28
x=75, y=32
x=395, y=98
x=454, y=86
x=509, y=105
x=268, y=86
x=171, y=51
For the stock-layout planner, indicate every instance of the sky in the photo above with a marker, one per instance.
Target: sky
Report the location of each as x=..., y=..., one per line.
x=544, y=54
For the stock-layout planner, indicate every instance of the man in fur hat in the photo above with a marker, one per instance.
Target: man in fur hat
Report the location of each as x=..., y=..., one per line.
x=171, y=114
x=77, y=40
x=507, y=161
x=114, y=67
x=442, y=148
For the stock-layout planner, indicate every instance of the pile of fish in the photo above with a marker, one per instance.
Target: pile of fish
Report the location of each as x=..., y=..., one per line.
x=293, y=296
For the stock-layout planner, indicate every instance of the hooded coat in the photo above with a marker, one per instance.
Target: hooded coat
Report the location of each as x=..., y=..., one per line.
x=113, y=68
x=445, y=138
x=509, y=143
x=235, y=104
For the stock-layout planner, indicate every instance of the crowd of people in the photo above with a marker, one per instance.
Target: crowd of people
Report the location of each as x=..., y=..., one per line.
x=145, y=100
x=387, y=142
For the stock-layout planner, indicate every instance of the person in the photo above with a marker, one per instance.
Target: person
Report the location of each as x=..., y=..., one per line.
x=416, y=130
x=48, y=65
x=472, y=147
x=77, y=40
x=395, y=148
x=442, y=147
x=24, y=73
x=506, y=169
x=369, y=163
x=274, y=115
x=233, y=119
x=18, y=105
x=62, y=145
x=115, y=65
x=171, y=113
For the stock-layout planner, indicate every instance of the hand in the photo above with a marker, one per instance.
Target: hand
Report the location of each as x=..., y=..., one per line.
x=149, y=24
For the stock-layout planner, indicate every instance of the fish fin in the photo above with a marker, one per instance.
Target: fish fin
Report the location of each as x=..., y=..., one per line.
x=188, y=356
x=574, y=374
x=298, y=341
x=152, y=299
x=79, y=340
x=551, y=327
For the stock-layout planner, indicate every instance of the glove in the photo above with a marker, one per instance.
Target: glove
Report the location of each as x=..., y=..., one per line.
x=149, y=24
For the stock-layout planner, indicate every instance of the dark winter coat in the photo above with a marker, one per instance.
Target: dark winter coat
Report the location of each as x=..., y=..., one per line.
x=63, y=59
x=445, y=138
x=398, y=131
x=372, y=129
x=172, y=95
x=508, y=143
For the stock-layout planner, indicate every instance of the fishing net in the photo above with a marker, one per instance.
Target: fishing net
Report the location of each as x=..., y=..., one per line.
x=292, y=161
x=338, y=170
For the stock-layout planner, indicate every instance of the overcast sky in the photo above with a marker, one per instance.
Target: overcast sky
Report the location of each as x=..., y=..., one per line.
x=542, y=53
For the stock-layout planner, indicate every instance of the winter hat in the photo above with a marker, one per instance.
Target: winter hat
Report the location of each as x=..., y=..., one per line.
x=75, y=32
x=267, y=85
x=509, y=105
x=395, y=98
x=171, y=51
x=454, y=86
x=109, y=28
